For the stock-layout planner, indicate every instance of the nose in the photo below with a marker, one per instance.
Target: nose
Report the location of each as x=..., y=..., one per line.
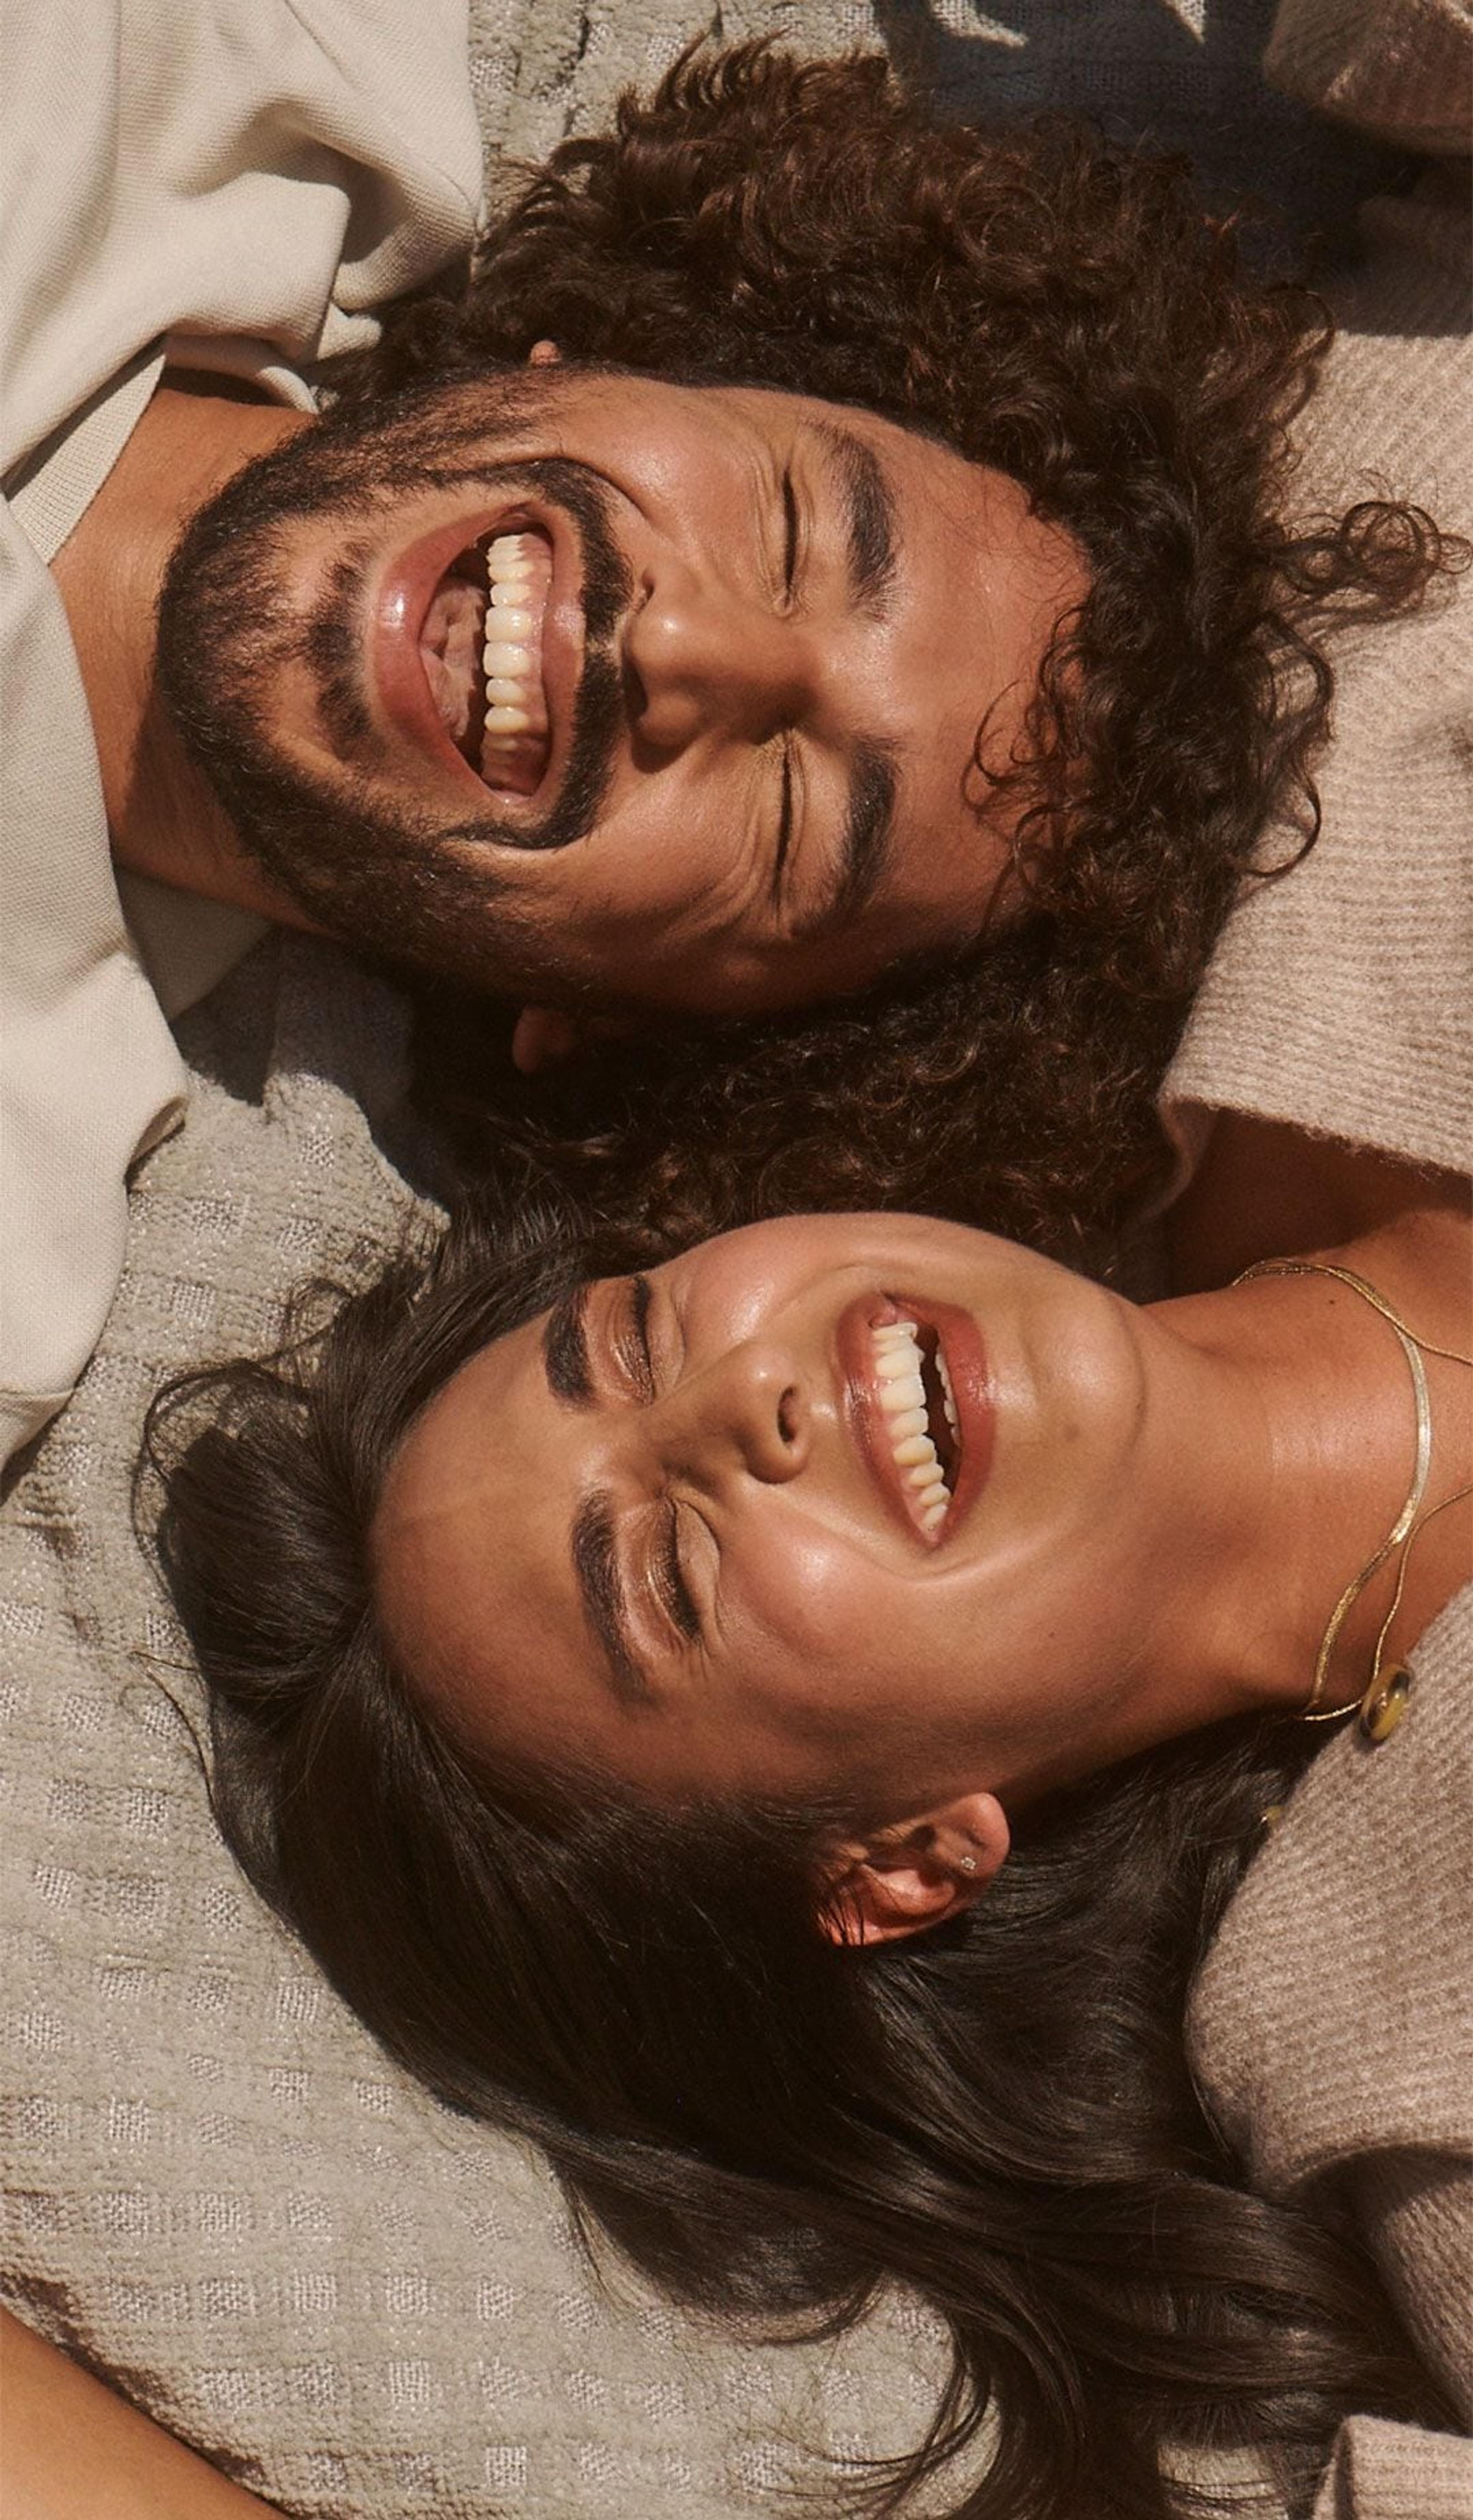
x=700, y=658
x=745, y=1412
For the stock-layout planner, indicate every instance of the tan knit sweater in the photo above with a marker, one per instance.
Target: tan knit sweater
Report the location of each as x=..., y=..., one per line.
x=1332, y=2034
x=1332, y=2025
x=1339, y=998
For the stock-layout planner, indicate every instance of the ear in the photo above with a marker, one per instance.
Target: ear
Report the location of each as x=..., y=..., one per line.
x=910, y=1879
x=543, y=1035
x=543, y=354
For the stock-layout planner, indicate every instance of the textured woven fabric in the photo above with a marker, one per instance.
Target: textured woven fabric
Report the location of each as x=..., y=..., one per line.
x=220, y=2196
x=220, y=2192
x=1391, y=2472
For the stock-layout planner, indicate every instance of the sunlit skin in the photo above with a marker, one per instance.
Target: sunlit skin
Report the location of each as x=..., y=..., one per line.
x=1167, y=1501
x=754, y=669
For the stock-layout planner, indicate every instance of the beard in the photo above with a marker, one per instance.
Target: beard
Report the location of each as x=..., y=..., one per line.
x=378, y=870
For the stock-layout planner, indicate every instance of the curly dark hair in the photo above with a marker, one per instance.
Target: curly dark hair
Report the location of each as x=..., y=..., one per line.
x=1064, y=310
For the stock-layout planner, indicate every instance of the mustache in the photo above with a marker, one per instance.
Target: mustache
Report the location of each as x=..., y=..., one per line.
x=600, y=719
x=365, y=859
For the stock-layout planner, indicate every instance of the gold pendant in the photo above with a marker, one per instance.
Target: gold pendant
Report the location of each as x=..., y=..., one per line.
x=1385, y=1702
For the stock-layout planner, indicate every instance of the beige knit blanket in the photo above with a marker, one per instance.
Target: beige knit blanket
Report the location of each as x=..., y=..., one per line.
x=220, y=2196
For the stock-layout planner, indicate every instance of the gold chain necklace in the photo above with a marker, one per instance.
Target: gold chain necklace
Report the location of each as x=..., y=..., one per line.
x=1382, y=1701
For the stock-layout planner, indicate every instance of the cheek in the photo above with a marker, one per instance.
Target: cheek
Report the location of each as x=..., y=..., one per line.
x=821, y=1633
x=954, y=876
x=647, y=860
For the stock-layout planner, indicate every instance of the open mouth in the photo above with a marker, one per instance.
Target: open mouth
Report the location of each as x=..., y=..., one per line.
x=480, y=649
x=921, y=1424
x=918, y=1396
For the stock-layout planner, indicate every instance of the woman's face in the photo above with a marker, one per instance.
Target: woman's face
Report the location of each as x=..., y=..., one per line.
x=854, y=1503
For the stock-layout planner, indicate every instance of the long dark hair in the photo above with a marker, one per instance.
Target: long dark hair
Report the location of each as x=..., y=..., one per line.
x=1000, y=2115
x=1065, y=311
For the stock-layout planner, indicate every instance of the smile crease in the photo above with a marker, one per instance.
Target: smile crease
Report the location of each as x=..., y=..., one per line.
x=919, y=1409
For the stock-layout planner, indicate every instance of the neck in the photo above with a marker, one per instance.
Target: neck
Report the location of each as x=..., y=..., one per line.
x=1326, y=1420
x=1277, y=1451
x=164, y=819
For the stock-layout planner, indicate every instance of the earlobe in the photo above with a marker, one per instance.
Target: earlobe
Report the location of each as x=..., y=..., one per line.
x=543, y=1035
x=913, y=1877
x=886, y=1905
x=543, y=354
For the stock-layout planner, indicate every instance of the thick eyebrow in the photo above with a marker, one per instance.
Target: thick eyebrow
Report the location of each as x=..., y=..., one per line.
x=870, y=515
x=595, y=1569
x=864, y=842
x=867, y=827
x=592, y=1541
x=565, y=1351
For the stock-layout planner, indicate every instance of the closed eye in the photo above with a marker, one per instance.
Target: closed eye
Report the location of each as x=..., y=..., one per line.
x=785, y=802
x=632, y=1343
x=637, y=1364
x=784, y=820
x=675, y=1593
x=790, y=535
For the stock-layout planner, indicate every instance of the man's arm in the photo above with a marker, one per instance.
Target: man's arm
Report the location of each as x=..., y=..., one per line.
x=69, y=2449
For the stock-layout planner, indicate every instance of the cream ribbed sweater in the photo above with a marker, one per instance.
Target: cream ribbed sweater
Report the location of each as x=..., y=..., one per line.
x=232, y=187
x=1332, y=2025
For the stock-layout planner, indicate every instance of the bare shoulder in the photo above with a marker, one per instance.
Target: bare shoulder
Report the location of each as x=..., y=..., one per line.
x=71, y=2446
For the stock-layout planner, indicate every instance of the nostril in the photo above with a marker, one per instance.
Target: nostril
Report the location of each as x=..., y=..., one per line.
x=787, y=1415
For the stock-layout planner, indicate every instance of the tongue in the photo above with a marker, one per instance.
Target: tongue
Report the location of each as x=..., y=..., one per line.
x=450, y=648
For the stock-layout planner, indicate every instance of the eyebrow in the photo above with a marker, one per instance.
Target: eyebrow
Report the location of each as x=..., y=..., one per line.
x=565, y=1351
x=870, y=515
x=864, y=842
x=595, y=1569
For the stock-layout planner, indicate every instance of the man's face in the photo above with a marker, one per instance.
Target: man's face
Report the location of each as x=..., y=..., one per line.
x=726, y=758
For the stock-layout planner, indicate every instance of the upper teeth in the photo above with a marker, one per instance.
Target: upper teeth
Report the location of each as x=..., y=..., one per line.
x=903, y=1399
x=509, y=635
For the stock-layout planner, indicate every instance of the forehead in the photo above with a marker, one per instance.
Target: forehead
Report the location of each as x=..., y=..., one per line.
x=721, y=419
x=679, y=419
x=471, y=1537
